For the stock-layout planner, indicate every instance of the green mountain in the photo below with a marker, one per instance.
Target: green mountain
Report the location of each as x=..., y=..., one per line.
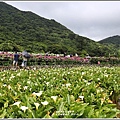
x=25, y=30
x=114, y=40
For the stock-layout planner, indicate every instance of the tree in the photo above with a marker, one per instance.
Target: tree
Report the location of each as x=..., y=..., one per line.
x=9, y=46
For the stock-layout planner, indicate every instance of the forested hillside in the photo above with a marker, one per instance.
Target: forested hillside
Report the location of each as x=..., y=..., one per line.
x=112, y=40
x=21, y=30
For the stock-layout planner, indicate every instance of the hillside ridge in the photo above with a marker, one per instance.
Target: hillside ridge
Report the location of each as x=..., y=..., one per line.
x=20, y=30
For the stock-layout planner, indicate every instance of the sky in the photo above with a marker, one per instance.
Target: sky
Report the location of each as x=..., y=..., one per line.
x=96, y=20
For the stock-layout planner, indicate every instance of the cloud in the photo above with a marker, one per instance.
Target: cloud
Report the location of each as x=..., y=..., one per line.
x=93, y=19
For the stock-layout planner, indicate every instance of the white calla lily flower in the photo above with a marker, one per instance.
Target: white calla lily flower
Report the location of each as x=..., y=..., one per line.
x=9, y=87
x=38, y=94
x=24, y=108
x=81, y=97
x=44, y=103
x=68, y=84
x=25, y=87
x=37, y=105
x=54, y=98
x=47, y=83
x=17, y=103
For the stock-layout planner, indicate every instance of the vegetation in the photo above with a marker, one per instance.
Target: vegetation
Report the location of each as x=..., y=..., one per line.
x=80, y=92
x=6, y=59
x=55, y=92
x=114, y=40
x=21, y=30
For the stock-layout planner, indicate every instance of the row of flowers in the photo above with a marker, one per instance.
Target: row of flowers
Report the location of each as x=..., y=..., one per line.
x=39, y=59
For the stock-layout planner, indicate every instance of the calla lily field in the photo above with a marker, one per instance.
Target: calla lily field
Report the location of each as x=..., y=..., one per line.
x=69, y=92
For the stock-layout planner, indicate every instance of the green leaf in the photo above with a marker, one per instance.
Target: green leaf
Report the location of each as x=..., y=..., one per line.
x=89, y=111
x=6, y=104
x=61, y=107
x=72, y=98
x=48, y=108
x=3, y=114
x=68, y=99
x=111, y=114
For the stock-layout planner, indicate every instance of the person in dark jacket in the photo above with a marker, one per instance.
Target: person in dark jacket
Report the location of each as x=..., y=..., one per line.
x=15, y=59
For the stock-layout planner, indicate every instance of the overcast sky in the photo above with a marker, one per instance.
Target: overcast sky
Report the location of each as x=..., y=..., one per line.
x=93, y=19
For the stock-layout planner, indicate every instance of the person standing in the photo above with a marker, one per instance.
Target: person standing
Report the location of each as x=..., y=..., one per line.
x=24, y=63
x=25, y=57
x=15, y=59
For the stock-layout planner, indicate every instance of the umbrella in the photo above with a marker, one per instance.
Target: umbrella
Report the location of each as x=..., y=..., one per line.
x=24, y=52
